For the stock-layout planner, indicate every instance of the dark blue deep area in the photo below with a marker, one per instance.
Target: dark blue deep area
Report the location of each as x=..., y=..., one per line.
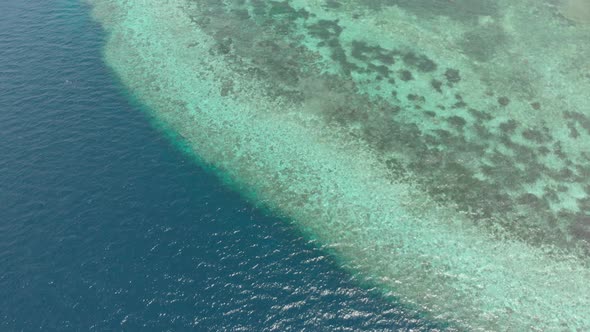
x=105, y=225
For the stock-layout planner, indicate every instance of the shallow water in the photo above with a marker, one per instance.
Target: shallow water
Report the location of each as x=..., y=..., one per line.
x=106, y=226
x=439, y=149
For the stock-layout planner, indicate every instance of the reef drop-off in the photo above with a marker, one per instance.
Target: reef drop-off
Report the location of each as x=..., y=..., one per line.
x=460, y=190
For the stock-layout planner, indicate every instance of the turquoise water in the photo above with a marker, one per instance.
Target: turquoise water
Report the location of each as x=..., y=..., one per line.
x=437, y=149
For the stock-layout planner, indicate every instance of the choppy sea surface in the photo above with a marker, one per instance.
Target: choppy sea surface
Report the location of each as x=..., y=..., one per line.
x=296, y=164
x=105, y=226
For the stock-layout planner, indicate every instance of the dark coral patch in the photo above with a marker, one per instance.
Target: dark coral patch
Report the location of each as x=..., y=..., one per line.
x=416, y=98
x=437, y=85
x=460, y=103
x=406, y=75
x=325, y=29
x=581, y=228
x=419, y=62
x=385, y=57
x=457, y=121
x=333, y=4
x=532, y=201
x=364, y=52
x=536, y=105
x=360, y=50
x=452, y=75
x=573, y=131
x=558, y=150
x=283, y=9
x=503, y=101
x=580, y=118
x=482, y=131
x=543, y=150
x=508, y=127
x=381, y=69
x=550, y=195
x=480, y=115
x=535, y=136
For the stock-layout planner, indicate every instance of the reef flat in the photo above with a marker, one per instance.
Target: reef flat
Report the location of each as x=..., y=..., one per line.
x=439, y=149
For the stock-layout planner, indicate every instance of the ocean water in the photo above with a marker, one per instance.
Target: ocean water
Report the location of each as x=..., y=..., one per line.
x=107, y=226
x=317, y=164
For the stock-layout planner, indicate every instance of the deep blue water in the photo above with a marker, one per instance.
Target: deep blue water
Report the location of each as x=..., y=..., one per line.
x=105, y=225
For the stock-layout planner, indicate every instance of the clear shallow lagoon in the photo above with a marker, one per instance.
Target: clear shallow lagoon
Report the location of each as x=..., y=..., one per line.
x=437, y=151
